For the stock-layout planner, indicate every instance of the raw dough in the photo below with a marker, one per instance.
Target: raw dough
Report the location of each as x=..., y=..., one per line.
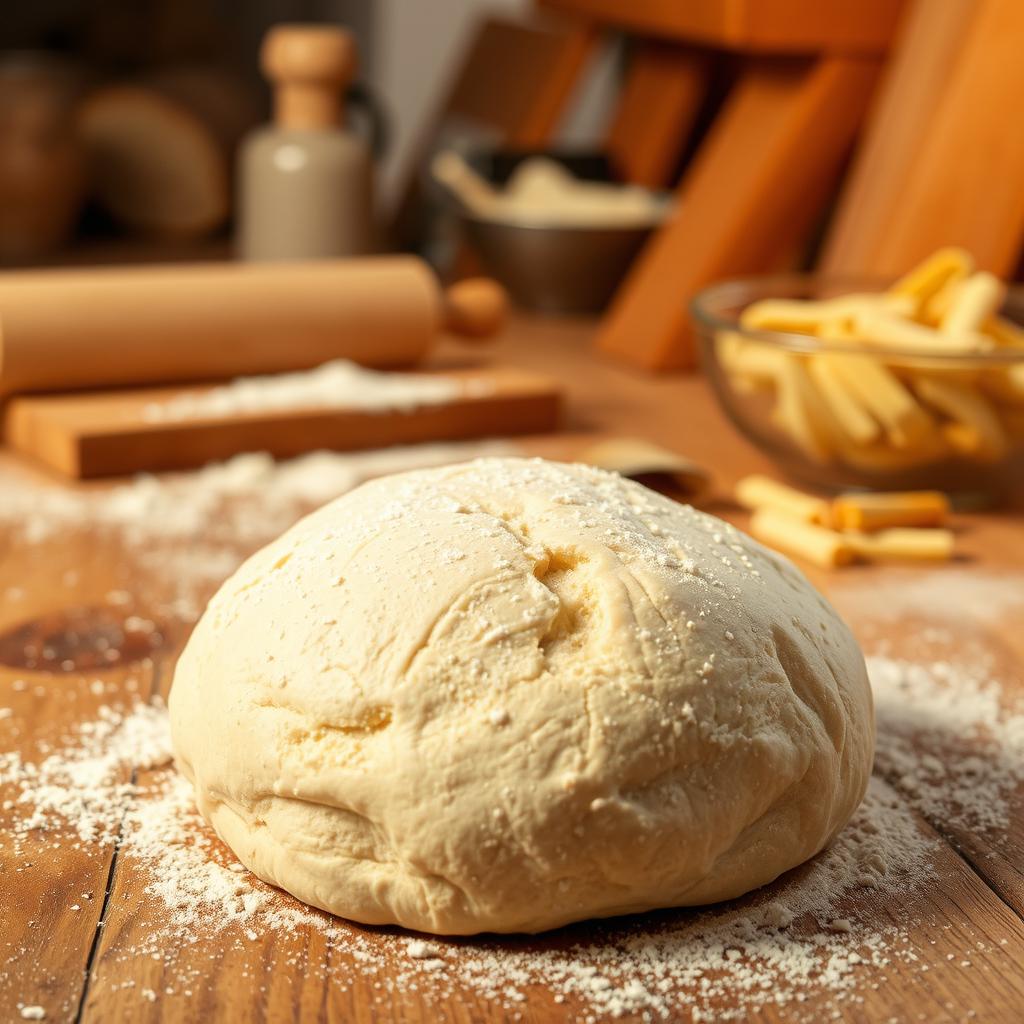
x=509, y=694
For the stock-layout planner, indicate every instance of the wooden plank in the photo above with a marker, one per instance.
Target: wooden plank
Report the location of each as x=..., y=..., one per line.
x=543, y=62
x=105, y=433
x=536, y=127
x=942, y=164
x=54, y=613
x=784, y=131
x=754, y=26
x=926, y=47
x=664, y=88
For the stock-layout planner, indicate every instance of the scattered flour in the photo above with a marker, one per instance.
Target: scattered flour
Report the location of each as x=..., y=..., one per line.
x=192, y=530
x=181, y=505
x=420, y=950
x=975, y=747
x=87, y=784
x=339, y=384
x=811, y=933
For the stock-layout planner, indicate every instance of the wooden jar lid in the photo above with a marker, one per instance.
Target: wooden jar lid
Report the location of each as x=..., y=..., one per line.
x=310, y=66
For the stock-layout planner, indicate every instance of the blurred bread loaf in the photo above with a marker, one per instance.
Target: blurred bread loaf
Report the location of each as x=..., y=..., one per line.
x=159, y=150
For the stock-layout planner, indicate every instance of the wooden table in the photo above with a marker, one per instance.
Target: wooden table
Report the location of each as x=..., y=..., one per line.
x=79, y=965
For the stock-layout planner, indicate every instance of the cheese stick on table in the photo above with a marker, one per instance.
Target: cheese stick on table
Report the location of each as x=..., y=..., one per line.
x=757, y=492
x=868, y=512
x=824, y=548
x=902, y=544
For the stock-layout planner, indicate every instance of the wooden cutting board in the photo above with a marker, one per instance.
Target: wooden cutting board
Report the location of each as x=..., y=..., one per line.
x=107, y=433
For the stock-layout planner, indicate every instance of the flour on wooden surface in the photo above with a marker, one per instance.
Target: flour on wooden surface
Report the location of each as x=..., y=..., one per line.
x=192, y=530
x=339, y=384
x=86, y=786
x=942, y=595
x=976, y=749
x=804, y=939
x=179, y=505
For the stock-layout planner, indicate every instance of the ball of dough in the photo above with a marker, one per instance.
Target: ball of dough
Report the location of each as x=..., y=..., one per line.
x=510, y=694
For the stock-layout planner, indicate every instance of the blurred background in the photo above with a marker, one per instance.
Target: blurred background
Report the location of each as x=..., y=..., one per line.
x=57, y=53
x=579, y=73
x=597, y=159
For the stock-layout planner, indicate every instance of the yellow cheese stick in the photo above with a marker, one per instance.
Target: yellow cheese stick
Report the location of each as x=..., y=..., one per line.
x=973, y=302
x=937, y=305
x=839, y=330
x=803, y=414
x=857, y=423
x=929, y=276
x=868, y=512
x=805, y=316
x=751, y=365
x=902, y=545
x=815, y=544
x=792, y=316
x=756, y=492
x=875, y=327
x=846, y=307
x=886, y=398
x=909, y=370
x=965, y=406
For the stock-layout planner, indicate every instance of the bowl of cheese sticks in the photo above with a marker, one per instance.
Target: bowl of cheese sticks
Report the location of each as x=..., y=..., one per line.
x=914, y=384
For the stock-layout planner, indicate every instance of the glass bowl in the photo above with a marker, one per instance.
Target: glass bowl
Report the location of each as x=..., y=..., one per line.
x=956, y=422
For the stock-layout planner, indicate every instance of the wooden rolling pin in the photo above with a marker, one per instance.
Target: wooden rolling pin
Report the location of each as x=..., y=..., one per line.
x=67, y=329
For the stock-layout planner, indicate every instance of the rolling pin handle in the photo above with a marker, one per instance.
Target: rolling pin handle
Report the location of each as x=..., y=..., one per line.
x=475, y=309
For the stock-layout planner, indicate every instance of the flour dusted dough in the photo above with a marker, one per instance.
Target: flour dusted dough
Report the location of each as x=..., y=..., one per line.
x=510, y=694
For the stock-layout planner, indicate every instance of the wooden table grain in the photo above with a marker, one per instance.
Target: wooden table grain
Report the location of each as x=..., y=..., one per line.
x=86, y=966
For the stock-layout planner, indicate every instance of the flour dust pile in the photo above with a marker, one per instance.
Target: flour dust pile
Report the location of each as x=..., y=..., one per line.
x=339, y=384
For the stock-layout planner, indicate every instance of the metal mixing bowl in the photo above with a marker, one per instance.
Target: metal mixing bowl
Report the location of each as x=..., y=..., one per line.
x=553, y=269
x=547, y=267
